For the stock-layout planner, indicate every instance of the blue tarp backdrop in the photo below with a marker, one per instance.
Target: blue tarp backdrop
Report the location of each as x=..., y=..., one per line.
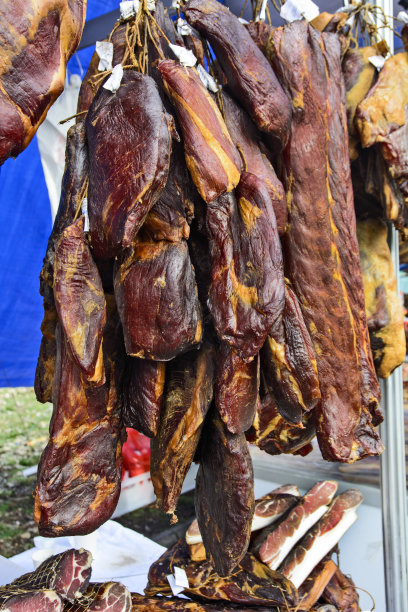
x=25, y=224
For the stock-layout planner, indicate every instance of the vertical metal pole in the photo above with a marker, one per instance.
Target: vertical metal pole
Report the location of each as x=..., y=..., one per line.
x=393, y=478
x=393, y=482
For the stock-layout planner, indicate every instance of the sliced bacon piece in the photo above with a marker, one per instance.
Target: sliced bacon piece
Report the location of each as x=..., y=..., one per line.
x=322, y=537
x=67, y=573
x=272, y=506
x=273, y=546
x=268, y=509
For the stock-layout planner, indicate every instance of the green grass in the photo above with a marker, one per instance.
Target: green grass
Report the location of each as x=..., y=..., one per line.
x=23, y=435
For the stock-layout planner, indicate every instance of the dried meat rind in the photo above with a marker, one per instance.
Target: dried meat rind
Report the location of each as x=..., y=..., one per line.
x=247, y=139
x=157, y=300
x=211, y=157
x=236, y=389
x=321, y=251
x=79, y=474
x=247, y=292
x=143, y=395
x=251, y=583
x=80, y=300
x=187, y=397
x=250, y=76
x=129, y=139
x=274, y=435
x=38, y=38
x=224, y=496
x=288, y=363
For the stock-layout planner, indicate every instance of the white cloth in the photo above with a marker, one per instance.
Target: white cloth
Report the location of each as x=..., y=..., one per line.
x=119, y=554
x=52, y=139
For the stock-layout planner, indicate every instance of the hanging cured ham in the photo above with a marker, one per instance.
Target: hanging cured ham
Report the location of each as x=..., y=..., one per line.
x=325, y=274
x=250, y=76
x=38, y=39
x=127, y=173
x=211, y=157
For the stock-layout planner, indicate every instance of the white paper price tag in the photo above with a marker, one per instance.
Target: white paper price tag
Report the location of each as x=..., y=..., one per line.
x=128, y=8
x=115, y=79
x=84, y=210
x=183, y=28
x=176, y=590
x=207, y=79
x=180, y=577
x=377, y=60
x=298, y=9
x=104, y=49
x=403, y=16
x=185, y=56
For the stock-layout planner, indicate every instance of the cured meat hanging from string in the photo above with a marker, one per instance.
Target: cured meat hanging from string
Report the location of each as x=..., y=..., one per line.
x=38, y=39
x=325, y=274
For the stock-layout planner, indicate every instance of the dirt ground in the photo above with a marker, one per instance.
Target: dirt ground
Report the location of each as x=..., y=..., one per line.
x=23, y=435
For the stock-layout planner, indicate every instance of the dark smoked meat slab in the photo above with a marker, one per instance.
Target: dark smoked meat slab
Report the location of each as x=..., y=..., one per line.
x=157, y=300
x=224, y=495
x=341, y=592
x=321, y=250
x=211, y=157
x=129, y=139
x=38, y=38
x=103, y=597
x=66, y=573
x=44, y=372
x=274, y=435
x=143, y=394
x=288, y=362
x=79, y=474
x=236, y=389
x=90, y=83
x=28, y=600
x=247, y=292
x=246, y=138
x=187, y=397
x=251, y=583
x=170, y=217
x=250, y=76
x=80, y=300
x=73, y=190
x=142, y=603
